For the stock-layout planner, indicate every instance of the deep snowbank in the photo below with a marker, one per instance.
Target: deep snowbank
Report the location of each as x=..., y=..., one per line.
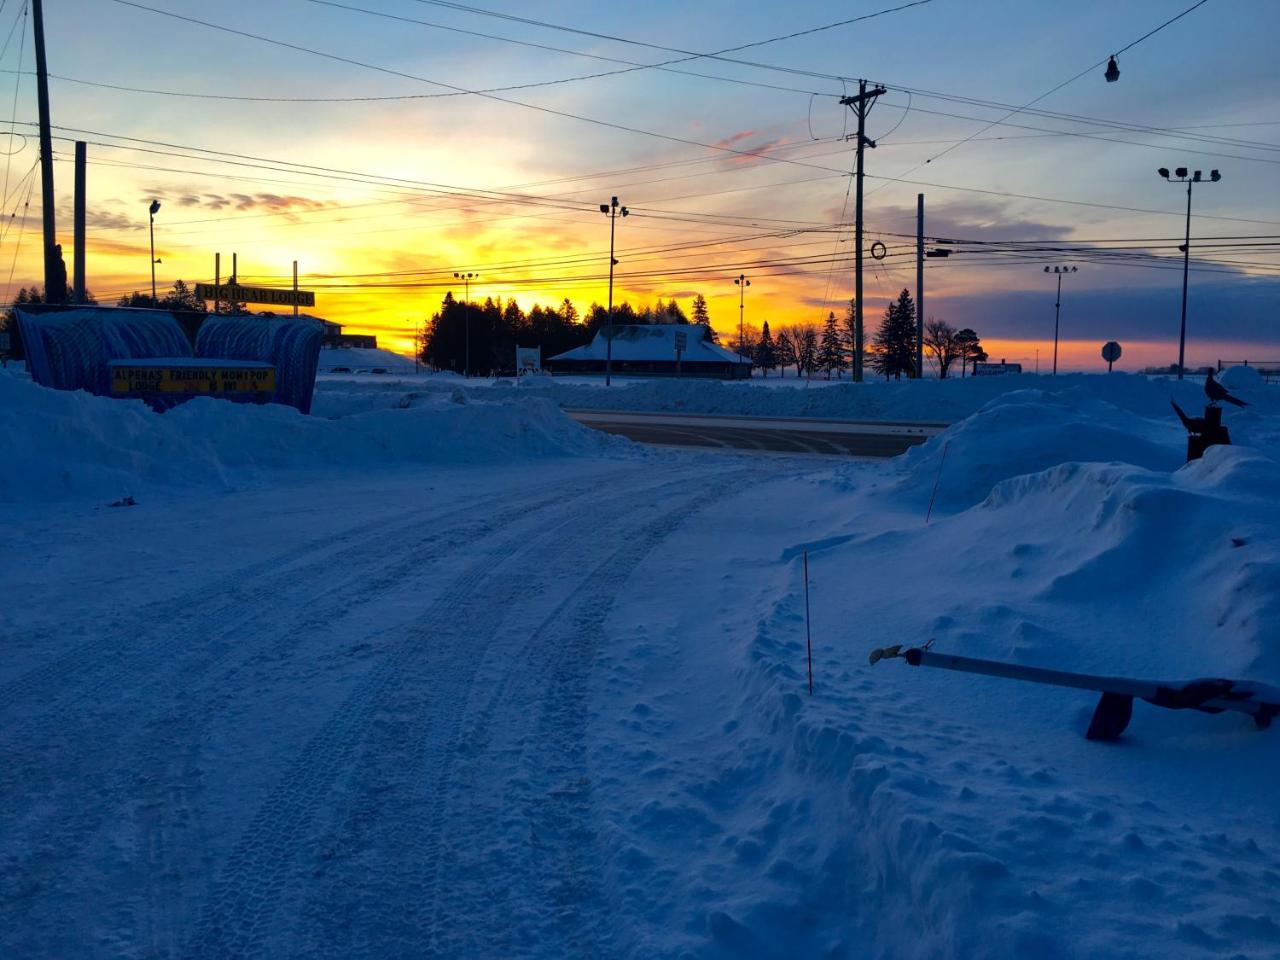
x=920, y=813
x=61, y=445
x=944, y=401
x=973, y=814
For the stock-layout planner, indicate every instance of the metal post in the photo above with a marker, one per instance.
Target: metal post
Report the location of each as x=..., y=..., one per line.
x=154, y=302
x=1186, y=265
x=466, y=323
x=54, y=274
x=608, y=347
x=919, y=286
x=77, y=269
x=295, y=289
x=1056, y=310
x=742, y=301
x=217, y=283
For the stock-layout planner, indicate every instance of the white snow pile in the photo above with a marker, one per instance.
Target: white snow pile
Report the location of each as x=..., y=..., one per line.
x=945, y=401
x=967, y=816
x=911, y=812
x=363, y=360
x=62, y=445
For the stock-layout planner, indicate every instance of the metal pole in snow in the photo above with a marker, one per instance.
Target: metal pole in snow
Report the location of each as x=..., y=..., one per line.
x=295, y=289
x=808, y=640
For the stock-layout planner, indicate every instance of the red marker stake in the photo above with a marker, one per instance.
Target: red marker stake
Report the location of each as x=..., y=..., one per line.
x=808, y=641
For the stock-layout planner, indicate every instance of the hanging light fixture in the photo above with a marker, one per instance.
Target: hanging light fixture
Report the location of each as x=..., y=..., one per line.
x=1113, y=71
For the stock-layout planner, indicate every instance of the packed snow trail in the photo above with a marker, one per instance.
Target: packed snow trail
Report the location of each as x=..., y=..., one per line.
x=356, y=746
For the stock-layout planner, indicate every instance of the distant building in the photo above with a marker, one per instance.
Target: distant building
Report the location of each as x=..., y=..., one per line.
x=650, y=350
x=995, y=369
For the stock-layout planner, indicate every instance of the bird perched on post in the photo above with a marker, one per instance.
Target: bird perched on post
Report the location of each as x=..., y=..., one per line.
x=1216, y=392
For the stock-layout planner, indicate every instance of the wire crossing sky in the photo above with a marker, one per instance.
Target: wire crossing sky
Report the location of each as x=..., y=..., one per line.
x=385, y=149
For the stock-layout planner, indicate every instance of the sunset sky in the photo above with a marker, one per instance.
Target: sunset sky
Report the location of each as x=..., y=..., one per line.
x=382, y=179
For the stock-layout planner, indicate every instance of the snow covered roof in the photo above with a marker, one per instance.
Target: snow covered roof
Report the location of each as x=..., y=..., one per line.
x=650, y=342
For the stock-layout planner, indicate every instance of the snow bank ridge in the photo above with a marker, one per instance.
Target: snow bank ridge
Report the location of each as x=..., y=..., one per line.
x=65, y=445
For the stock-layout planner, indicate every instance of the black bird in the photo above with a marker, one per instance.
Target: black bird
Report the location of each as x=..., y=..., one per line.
x=1216, y=391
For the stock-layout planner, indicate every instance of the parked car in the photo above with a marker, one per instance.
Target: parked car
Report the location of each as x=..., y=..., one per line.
x=339, y=369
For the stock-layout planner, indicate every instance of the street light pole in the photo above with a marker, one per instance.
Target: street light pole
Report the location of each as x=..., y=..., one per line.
x=466, y=279
x=611, y=210
x=742, y=283
x=1057, y=309
x=155, y=208
x=1180, y=176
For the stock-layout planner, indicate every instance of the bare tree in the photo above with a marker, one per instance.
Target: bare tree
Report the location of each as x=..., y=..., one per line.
x=944, y=349
x=747, y=346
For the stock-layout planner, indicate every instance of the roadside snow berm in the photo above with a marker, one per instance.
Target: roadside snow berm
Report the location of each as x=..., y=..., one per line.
x=1115, y=708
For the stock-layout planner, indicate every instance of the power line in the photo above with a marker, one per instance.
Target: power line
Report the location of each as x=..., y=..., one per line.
x=488, y=96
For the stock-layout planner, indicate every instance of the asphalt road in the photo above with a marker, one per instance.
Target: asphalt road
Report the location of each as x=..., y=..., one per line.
x=848, y=438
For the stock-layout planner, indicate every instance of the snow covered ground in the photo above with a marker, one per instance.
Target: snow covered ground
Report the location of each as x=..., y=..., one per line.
x=439, y=672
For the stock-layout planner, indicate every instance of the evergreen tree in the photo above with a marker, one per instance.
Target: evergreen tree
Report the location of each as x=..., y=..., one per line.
x=849, y=333
x=672, y=313
x=766, y=357
x=831, y=350
x=895, y=342
x=700, y=312
x=785, y=352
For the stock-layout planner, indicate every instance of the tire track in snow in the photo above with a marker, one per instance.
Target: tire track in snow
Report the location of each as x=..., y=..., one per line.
x=241, y=912
x=45, y=774
x=563, y=909
x=394, y=880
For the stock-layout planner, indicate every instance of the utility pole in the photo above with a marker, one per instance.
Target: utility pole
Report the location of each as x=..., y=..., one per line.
x=861, y=105
x=742, y=282
x=295, y=289
x=919, y=286
x=1057, y=309
x=466, y=279
x=1181, y=177
x=55, y=271
x=610, y=210
x=77, y=270
x=153, y=209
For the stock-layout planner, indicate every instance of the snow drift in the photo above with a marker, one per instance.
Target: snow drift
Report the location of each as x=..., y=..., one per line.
x=62, y=444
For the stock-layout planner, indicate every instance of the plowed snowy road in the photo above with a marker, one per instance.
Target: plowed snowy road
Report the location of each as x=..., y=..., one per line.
x=295, y=735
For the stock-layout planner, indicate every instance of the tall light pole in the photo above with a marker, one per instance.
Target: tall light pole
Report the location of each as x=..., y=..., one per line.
x=611, y=210
x=1057, y=308
x=466, y=279
x=1180, y=176
x=742, y=282
x=155, y=208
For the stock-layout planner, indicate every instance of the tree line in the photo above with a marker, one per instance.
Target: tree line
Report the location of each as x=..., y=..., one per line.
x=891, y=351
x=493, y=329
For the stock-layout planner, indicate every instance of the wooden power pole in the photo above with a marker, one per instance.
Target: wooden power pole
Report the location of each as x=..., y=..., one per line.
x=919, y=286
x=861, y=105
x=55, y=271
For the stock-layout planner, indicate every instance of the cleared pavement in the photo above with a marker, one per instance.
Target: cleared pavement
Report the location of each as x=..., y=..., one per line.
x=858, y=438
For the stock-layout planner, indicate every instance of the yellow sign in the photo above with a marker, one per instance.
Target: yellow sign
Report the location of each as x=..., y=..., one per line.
x=192, y=380
x=234, y=293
